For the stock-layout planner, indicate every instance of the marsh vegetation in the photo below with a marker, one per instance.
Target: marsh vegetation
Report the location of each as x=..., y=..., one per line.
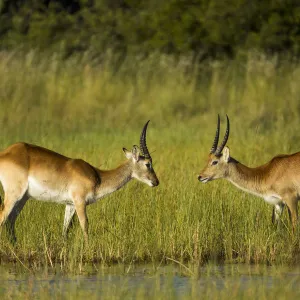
x=90, y=110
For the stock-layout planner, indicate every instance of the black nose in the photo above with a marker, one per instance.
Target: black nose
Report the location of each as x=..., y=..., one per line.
x=199, y=177
x=157, y=182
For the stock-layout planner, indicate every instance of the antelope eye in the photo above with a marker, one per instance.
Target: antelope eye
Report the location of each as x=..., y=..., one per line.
x=148, y=165
x=214, y=162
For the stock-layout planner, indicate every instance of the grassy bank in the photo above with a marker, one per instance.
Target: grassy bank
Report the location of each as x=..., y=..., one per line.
x=91, y=111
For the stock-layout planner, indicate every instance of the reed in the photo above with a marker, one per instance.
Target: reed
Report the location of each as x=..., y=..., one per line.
x=90, y=110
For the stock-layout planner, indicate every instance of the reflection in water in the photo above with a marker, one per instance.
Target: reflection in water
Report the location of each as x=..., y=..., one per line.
x=146, y=282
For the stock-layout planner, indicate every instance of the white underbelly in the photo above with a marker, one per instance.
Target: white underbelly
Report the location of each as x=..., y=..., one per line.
x=273, y=199
x=270, y=198
x=42, y=192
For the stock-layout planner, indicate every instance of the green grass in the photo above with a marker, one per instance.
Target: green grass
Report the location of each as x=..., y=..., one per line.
x=91, y=111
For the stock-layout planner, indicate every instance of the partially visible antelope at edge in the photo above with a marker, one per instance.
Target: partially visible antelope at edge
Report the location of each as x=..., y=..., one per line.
x=277, y=181
x=31, y=171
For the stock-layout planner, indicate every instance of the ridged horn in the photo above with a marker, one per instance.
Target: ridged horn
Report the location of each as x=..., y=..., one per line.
x=216, y=140
x=226, y=136
x=143, y=144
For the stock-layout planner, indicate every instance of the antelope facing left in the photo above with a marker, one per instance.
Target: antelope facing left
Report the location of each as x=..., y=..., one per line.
x=277, y=181
x=31, y=171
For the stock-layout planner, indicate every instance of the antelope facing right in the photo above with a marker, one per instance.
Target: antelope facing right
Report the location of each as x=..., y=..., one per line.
x=277, y=181
x=31, y=171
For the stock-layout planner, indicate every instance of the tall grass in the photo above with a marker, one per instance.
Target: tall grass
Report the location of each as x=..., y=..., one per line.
x=91, y=110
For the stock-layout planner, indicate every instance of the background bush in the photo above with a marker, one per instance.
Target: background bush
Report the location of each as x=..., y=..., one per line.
x=201, y=28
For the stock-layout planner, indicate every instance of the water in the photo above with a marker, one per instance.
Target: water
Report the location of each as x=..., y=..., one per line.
x=148, y=282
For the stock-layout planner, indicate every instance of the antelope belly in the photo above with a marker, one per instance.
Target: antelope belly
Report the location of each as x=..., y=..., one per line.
x=273, y=199
x=44, y=191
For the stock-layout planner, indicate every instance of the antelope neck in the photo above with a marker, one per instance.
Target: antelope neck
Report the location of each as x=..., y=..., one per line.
x=112, y=180
x=246, y=178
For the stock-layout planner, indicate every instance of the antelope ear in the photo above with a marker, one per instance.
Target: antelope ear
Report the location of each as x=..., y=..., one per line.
x=127, y=153
x=226, y=154
x=135, y=153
